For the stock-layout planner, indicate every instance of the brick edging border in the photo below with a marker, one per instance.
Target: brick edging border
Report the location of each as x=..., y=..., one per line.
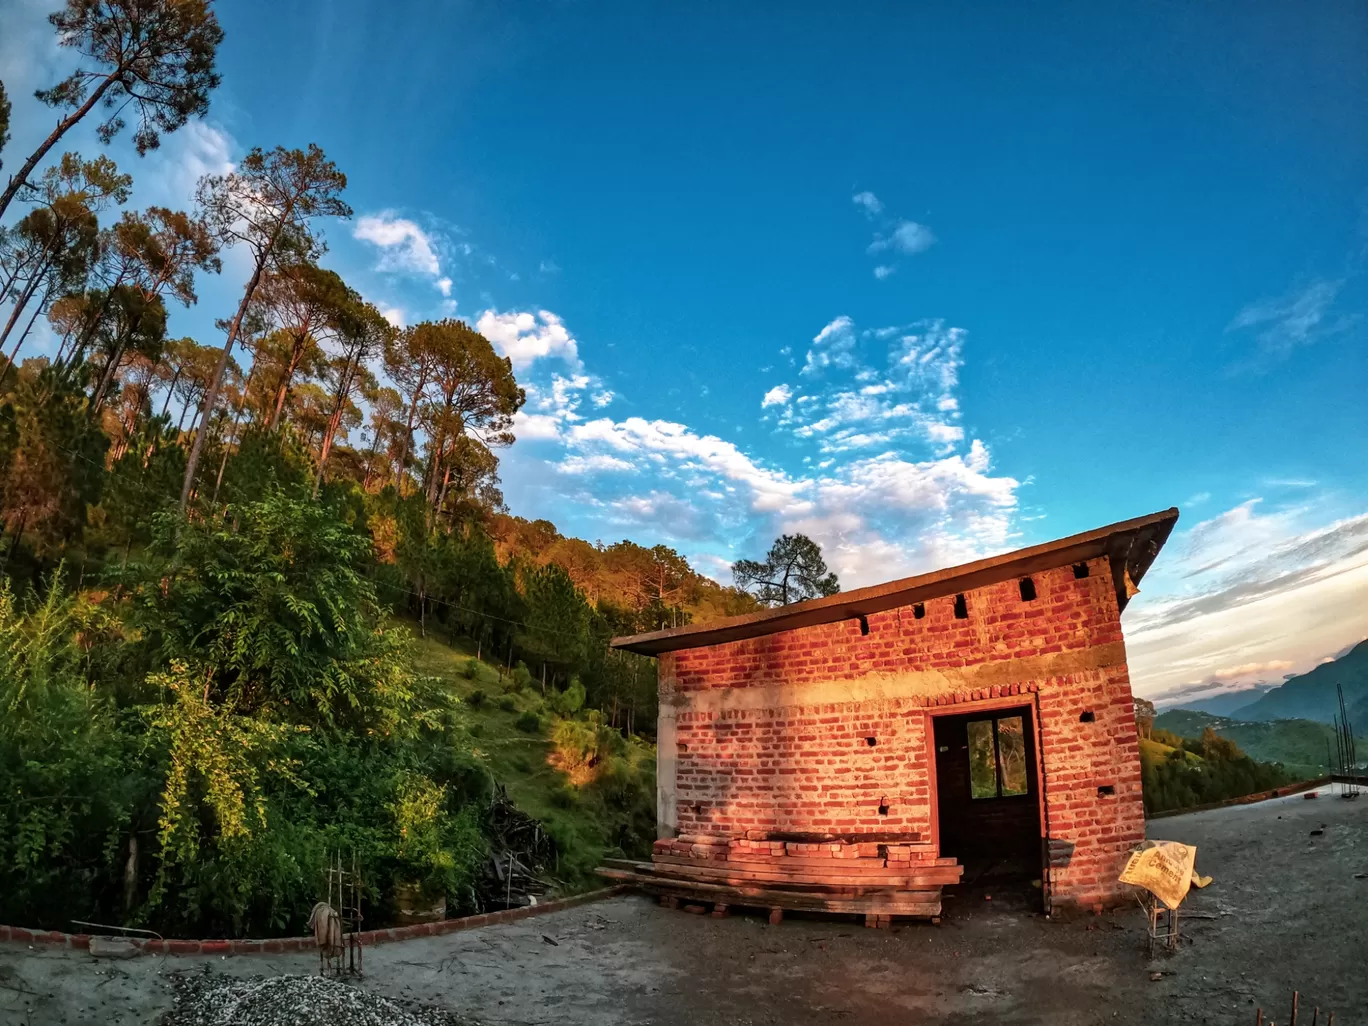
x=275, y=945
x=1247, y=799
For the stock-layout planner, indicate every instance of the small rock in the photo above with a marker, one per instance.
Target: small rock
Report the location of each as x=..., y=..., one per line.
x=1317, y=832
x=113, y=947
x=550, y=940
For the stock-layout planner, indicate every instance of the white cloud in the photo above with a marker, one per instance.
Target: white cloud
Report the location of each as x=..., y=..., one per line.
x=593, y=464
x=527, y=337
x=198, y=148
x=532, y=426
x=601, y=399
x=1254, y=670
x=1298, y=318
x=910, y=398
x=906, y=237
x=404, y=246
x=394, y=315
x=833, y=346
x=884, y=271
x=548, y=267
x=868, y=202
x=779, y=395
x=1248, y=593
x=444, y=286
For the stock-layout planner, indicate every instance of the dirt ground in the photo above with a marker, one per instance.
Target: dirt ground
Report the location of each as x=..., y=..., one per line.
x=1287, y=910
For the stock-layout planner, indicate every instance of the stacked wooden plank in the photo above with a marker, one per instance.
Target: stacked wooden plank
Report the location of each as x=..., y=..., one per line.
x=878, y=880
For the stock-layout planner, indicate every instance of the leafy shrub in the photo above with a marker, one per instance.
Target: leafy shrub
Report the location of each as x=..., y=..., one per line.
x=507, y=704
x=521, y=679
x=581, y=745
x=472, y=668
x=571, y=700
x=529, y=722
x=476, y=730
x=476, y=698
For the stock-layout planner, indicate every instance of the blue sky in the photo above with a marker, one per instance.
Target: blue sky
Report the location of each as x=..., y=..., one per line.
x=925, y=284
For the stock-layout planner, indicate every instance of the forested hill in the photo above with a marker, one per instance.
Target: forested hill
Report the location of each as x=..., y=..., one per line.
x=657, y=583
x=1302, y=746
x=215, y=553
x=1312, y=695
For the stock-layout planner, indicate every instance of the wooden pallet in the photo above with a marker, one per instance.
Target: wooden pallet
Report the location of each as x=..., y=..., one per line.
x=903, y=877
x=880, y=904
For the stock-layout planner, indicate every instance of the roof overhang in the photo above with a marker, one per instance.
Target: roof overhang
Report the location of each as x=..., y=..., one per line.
x=1130, y=546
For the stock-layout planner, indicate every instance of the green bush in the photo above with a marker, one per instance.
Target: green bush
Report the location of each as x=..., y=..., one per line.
x=472, y=668
x=521, y=678
x=476, y=698
x=507, y=704
x=571, y=700
x=529, y=722
x=234, y=715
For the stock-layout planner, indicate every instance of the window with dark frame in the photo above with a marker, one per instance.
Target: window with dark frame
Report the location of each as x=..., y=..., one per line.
x=997, y=757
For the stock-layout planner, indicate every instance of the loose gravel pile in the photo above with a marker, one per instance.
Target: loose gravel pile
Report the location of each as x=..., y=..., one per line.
x=203, y=999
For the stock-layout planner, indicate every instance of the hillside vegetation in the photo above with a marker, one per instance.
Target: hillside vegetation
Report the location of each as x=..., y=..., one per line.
x=1299, y=745
x=1184, y=772
x=261, y=601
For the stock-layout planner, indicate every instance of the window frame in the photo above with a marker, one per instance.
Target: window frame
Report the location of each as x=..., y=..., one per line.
x=993, y=719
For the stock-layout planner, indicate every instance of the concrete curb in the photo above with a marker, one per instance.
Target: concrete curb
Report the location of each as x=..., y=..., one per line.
x=276, y=945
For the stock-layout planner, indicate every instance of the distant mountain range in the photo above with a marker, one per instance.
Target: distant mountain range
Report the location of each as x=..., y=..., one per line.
x=1312, y=696
x=1223, y=704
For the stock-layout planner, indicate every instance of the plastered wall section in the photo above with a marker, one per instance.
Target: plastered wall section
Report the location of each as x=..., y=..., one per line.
x=825, y=729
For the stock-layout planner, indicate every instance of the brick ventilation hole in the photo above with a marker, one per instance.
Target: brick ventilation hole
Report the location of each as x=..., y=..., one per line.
x=883, y=806
x=1105, y=790
x=864, y=624
x=961, y=608
x=1027, y=588
x=871, y=741
x=1080, y=571
x=1087, y=717
x=919, y=610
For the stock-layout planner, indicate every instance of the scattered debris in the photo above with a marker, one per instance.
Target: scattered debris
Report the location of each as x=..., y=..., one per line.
x=1311, y=794
x=522, y=852
x=206, y=1000
x=1317, y=832
x=550, y=940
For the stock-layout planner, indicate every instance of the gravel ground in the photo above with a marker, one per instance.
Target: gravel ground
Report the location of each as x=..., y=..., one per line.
x=1287, y=909
x=205, y=999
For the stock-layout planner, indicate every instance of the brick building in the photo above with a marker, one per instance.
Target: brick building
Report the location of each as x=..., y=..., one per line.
x=977, y=714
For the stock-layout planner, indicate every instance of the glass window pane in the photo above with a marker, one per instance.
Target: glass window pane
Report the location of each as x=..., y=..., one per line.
x=982, y=769
x=1012, y=755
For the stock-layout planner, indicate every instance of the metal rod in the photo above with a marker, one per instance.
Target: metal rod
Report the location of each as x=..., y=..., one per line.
x=1296, y=999
x=125, y=929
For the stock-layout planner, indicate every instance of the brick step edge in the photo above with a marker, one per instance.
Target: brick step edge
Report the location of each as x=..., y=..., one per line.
x=1249, y=799
x=276, y=945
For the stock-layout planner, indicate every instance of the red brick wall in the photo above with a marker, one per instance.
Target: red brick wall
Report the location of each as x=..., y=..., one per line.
x=792, y=754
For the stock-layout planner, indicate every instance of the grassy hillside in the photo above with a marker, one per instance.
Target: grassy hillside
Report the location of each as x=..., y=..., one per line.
x=1153, y=752
x=540, y=754
x=1300, y=745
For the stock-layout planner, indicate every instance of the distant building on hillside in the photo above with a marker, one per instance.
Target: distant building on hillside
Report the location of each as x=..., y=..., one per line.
x=855, y=753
